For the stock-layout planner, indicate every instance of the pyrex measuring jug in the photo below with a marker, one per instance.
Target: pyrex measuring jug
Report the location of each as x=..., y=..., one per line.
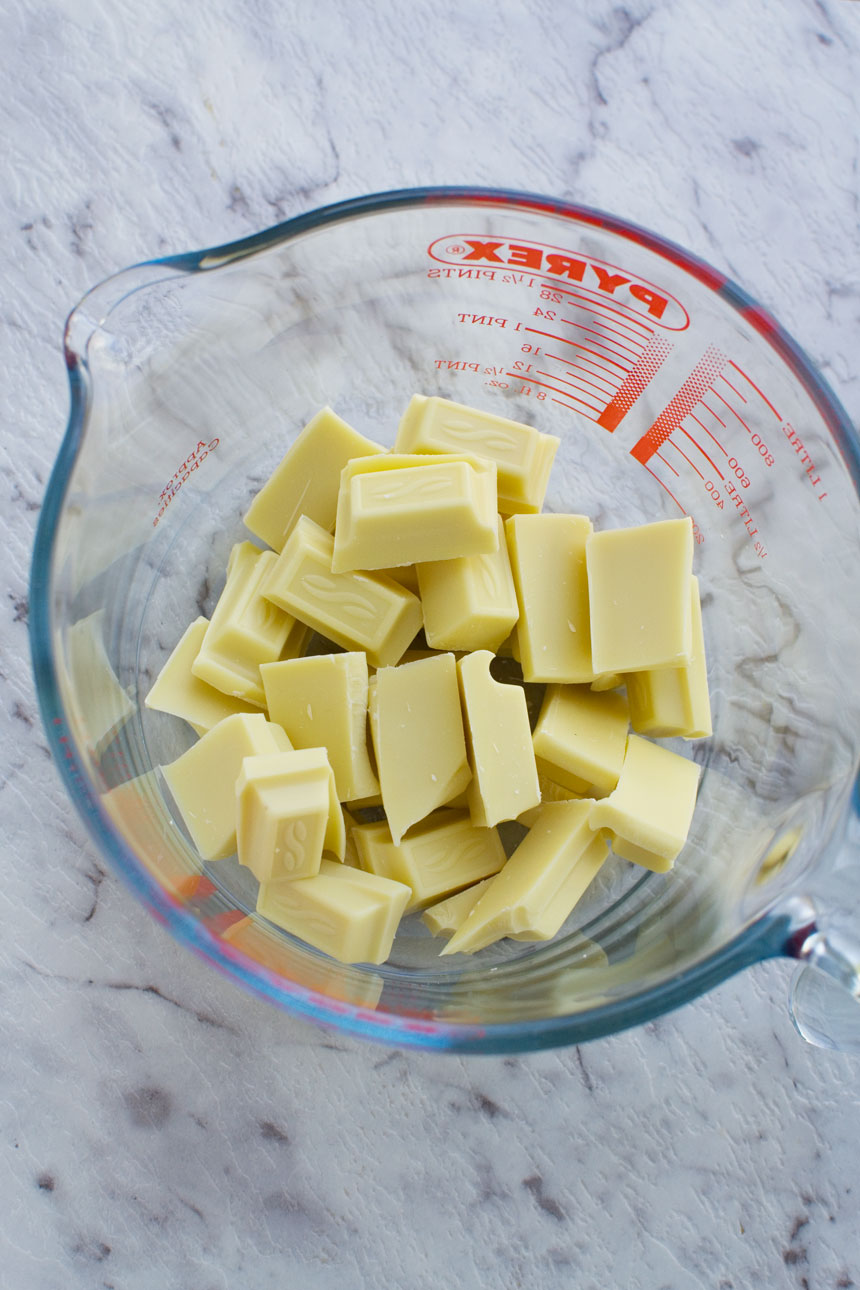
x=671, y=392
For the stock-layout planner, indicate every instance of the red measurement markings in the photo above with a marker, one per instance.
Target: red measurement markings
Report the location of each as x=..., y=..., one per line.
x=589, y=364
x=576, y=345
x=681, y=508
x=594, y=385
x=600, y=382
x=577, y=384
x=708, y=432
x=518, y=376
x=636, y=337
x=635, y=382
x=681, y=404
x=724, y=378
x=734, y=411
x=714, y=414
x=596, y=353
x=696, y=443
x=668, y=463
x=595, y=307
x=562, y=404
x=603, y=374
x=671, y=444
x=759, y=392
x=634, y=351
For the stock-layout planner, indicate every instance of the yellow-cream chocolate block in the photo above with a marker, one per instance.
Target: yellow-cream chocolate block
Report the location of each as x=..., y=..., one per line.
x=531, y=879
x=523, y=456
x=548, y=562
x=460, y=802
x=345, y=912
x=469, y=603
x=307, y=480
x=509, y=647
x=321, y=702
x=639, y=594
x=647, y=817
x=178, y=691
x=674, y=700
x=439, y=856
x=556, y=912
x=640, y=855
x=413, y=655
x=364, y=803
x=350, y=851
x=447, y=915
x=258, y=939
x=550, y=791
x=203, y=780
x=405, y=574
x=400, y=509
x=103, y=706
x=360, y=611
x=501, y=755
x=283, y=811
x=580, y=738
x=418, y=739
x=245, y=629
x=607, y=681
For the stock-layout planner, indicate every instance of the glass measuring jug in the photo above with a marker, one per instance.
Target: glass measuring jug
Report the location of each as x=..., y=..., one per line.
x=671, y=393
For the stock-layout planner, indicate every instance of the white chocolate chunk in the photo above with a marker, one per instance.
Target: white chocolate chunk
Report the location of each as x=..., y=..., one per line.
x=103, y=705
x=557, y=910
x=607, y=681
x=531, y=880
x=321, y=702
x=674, y=700
x=639, y=595
x=203, y=780
x=245, y=630
x=307, y=480
x=548, y=562
x=360, y=611
x=418, y=738
x=580, y=738
x=647, y=817
x=350, y=853
x=400, y=509
x=440, y=855
x=405, y=574
x=446, y=915
x=345, y=912
x=257, y=939
x=523, y=456
x=501, y=756
x=469, y=603
x=178, y=691
x=282, y=804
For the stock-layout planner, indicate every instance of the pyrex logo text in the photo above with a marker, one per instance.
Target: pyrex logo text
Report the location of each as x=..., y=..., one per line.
x=594, y=278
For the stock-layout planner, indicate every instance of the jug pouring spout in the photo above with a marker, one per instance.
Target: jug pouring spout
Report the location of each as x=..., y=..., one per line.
x=825, y=991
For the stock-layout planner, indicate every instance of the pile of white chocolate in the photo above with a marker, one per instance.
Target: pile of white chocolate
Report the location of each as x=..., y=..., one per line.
x=443, y=534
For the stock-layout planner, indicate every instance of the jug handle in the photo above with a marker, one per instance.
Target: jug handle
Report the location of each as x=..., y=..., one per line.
x=825, y=991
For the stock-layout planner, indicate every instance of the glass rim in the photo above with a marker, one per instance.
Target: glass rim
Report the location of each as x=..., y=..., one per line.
x=765, y=937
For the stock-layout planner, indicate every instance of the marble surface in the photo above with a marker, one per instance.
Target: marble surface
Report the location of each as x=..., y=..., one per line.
x=158, y=1128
